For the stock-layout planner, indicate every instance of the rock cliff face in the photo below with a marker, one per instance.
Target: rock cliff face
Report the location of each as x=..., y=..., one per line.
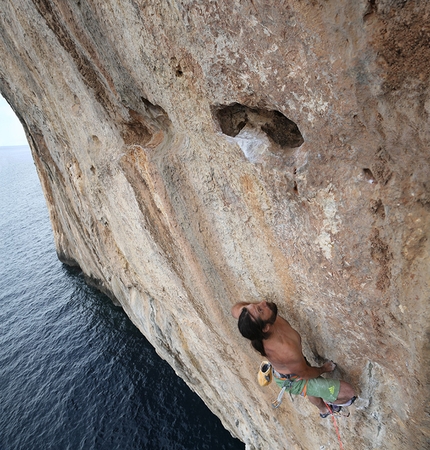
x=198, y=153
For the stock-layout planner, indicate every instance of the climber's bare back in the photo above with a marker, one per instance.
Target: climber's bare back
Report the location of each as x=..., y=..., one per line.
x=283, y=346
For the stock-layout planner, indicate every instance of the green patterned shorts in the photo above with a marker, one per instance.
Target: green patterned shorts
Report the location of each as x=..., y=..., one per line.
x=325, y=388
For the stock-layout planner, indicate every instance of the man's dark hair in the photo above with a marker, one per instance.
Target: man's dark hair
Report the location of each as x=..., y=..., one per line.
x=252, y=329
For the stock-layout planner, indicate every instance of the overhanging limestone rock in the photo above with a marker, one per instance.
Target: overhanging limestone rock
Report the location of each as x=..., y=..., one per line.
x=127, y=106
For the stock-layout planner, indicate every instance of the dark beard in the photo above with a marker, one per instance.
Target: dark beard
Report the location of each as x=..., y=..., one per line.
x=273, y=307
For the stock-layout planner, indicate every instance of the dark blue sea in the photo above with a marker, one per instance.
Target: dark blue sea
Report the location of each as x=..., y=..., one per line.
x=75, y=373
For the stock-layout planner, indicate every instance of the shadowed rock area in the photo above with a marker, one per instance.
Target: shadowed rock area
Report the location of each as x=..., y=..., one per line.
x=194, y=154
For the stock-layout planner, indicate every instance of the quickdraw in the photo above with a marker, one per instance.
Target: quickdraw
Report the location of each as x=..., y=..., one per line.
x=288, y=383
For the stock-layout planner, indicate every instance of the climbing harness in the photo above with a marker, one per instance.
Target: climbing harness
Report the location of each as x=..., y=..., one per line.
x=286, y=386
x=265, y=375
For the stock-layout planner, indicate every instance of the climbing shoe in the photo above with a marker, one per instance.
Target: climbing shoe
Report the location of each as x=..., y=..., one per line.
x=333, y=409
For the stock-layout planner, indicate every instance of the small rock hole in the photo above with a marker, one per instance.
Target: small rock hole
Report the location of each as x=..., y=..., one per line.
x=368, y=176
x=377, y=207
x=179, y=71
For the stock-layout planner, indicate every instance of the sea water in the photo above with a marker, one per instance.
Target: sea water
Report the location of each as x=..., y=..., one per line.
x=75, y=373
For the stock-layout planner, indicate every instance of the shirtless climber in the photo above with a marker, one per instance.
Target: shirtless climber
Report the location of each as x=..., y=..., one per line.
x=273, y=337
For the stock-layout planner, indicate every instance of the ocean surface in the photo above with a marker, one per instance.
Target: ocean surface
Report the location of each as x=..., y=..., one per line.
x=75, y=373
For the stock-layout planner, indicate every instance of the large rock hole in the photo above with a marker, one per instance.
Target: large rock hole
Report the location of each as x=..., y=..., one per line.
x=258, y=130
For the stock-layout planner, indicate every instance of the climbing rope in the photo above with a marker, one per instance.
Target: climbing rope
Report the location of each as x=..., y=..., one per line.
x=335, y=426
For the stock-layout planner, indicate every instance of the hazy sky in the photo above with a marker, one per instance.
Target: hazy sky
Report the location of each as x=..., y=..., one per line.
x=11, y=132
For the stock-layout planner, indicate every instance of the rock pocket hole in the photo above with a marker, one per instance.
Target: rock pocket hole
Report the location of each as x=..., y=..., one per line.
x=269, y=129
x=136, y=130
x=145, y=124
x=179, y=72
x=368, y=176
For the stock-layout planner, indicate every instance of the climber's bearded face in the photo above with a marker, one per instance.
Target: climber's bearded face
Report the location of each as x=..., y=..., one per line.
x=263, y=312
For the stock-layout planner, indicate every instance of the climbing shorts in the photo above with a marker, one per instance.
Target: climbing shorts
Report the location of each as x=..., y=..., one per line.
x=325, y=388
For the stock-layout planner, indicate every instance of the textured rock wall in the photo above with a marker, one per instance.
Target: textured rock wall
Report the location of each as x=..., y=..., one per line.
x=198, y=153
